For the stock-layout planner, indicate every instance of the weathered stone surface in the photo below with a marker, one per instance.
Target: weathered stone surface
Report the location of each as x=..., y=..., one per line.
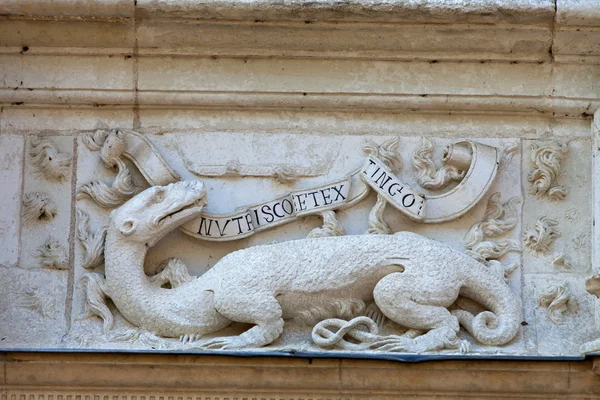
x=202, y=376
x=11, y=168
x=262, y=100
x=69, y=8
x=578, y=12
x=331, y=10
x=34, y=302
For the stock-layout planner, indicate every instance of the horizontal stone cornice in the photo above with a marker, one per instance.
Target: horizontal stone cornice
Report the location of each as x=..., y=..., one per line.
x=330, y=102
x=487, y=11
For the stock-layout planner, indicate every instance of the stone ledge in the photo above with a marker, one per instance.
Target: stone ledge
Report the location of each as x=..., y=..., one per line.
x=578, y=12
x=200, y=377
x=432, y=11
x=294, y=101
x=101, y=9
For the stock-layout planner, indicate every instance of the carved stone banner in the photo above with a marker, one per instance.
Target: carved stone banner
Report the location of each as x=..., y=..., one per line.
x=478, y=161
x=269, y=214
x=396, y=192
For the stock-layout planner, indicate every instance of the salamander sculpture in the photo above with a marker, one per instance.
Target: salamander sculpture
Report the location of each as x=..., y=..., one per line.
x=411, y=279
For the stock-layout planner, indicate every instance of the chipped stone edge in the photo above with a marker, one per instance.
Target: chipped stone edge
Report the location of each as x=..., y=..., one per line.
x=484, y=11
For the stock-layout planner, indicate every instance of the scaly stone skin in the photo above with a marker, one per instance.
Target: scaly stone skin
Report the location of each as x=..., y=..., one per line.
x=412, y=279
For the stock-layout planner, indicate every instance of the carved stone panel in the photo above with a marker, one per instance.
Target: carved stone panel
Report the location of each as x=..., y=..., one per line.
x=280, y=242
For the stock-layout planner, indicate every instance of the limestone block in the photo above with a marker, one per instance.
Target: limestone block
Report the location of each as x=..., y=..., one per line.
x=69, y=8
x=407, y=42
x=386, y=11
x=578, y=12
x=37, y=289
x=36, y=236
x=572, y=214
x=576, y=43
x=11, y=71
x=11, y=162
x=293, y=120
x=69, y=72
x=34, y=303
x=573, y=328
x=61, y=121
x=258, y=100
x=66, y=35
x=580, y=80
x=331, y=76
x=89, y=168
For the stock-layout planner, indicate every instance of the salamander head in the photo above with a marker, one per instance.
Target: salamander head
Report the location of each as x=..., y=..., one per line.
x=156, y=211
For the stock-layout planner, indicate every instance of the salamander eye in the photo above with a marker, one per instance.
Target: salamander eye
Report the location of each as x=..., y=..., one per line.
x=159, y=195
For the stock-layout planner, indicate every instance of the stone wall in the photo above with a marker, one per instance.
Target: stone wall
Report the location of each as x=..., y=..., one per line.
x=249, y=87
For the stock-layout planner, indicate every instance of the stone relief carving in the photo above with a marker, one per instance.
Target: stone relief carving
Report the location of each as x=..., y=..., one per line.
x=398, y=272
x=572, y=214
x=387, y=152
x=37, y=207
x=580, y=241
x=507, y=152
x=547, y=161
x=284, y=174
x=287, y=169
x=331, y=226
x=455, y=163
x=138, y=336
x=559, y=262
x=373, y=292
x=92, y=243
x=499, y=219
x=112, y=147
x=331, y=332
x=558, y=301
x=35, y=299
x=171, y=272
x=95, y=295
x=52, y=255
x=94, y=141
x=592, y=286
x=48, y=161
x=377, y=224
x=541, y=238
x=110, y=196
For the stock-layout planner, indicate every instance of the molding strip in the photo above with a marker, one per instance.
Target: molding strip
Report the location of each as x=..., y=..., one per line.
x=557, y=107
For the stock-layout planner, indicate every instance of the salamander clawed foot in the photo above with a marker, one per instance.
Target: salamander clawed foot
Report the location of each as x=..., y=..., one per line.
x=189, y=338
x=394, y=343
x=415, y=342
x=223, y=343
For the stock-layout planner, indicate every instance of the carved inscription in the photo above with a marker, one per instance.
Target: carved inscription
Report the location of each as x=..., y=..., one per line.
x=272, y=213
x=396, y=192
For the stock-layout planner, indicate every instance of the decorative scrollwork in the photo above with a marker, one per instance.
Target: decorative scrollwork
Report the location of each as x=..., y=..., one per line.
x=48, y=161
x=547, y=161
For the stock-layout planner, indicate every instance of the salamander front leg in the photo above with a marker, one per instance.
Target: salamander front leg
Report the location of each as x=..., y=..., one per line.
x=262, y=310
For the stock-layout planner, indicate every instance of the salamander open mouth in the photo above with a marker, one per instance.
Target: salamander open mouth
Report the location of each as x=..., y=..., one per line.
x=183, y=211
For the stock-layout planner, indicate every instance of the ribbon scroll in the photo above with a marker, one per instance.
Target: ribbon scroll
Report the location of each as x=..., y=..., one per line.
x=482, y=161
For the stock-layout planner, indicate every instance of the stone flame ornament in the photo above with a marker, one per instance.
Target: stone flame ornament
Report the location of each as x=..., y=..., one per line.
x=48, y=161
x=547, y=161
x=38, y=207
x=542, y=237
